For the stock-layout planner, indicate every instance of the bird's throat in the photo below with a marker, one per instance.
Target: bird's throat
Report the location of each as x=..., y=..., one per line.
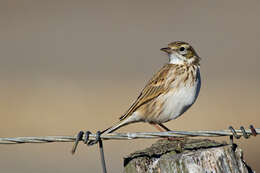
x=175, y=59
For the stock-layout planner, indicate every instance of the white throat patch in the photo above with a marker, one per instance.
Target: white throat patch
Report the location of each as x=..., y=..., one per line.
x=176, y=59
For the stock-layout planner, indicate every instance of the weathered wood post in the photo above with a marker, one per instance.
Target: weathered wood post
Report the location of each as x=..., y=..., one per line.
x=187, y=155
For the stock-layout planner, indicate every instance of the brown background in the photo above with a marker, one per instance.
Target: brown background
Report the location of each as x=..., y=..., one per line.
x=72, y=65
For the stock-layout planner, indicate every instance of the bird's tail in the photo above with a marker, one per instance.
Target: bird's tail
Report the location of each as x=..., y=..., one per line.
x=116, y=126
x=131, y=119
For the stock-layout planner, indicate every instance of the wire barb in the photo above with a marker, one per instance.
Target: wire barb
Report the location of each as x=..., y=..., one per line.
x=253, y=131
x=234, y=132
x=78, y=138
x=245, y=134
x=91, y=142
x=86, y=139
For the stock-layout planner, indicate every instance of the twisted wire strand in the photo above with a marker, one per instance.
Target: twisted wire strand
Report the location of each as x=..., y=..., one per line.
x=128, y=136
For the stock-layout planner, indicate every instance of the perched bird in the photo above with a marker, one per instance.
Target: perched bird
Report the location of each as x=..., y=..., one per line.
x=166, y=96
x=169, y=93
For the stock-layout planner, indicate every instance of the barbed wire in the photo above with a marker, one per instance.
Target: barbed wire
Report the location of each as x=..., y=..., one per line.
x=138, y=135
x=90, y=139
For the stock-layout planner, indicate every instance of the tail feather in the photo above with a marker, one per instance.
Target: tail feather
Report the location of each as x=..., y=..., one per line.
x=131, y=119
x=116, y=126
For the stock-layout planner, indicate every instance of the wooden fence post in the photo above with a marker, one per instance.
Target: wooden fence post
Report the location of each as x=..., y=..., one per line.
x=187, y=155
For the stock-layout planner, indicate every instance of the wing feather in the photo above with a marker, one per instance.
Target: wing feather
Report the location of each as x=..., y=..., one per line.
x=152, y=90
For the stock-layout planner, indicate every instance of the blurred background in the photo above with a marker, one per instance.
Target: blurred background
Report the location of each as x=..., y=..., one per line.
x=76, y=65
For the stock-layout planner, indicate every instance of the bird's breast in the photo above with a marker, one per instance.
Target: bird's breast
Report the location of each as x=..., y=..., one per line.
x=178, y=100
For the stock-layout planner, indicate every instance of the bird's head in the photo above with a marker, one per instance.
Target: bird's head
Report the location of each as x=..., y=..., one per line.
x=180, y=52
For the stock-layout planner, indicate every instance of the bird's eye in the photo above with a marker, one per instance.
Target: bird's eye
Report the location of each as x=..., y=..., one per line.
x=182, y=49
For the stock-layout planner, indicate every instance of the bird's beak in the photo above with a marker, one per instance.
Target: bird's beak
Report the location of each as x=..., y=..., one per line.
x=166, y=49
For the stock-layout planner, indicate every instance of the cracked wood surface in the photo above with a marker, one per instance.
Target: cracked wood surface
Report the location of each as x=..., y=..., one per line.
x=187, y=155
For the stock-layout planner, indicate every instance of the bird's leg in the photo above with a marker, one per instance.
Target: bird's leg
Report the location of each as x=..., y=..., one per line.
x=158, y=127
x=163, y=128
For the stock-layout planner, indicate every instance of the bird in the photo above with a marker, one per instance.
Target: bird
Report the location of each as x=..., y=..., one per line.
x=169, y=93
x=166, y=96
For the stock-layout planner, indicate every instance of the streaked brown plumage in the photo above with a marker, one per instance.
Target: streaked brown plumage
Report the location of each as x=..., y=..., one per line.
x=170, y=92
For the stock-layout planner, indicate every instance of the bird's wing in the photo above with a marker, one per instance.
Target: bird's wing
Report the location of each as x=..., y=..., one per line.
x=152, y=90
